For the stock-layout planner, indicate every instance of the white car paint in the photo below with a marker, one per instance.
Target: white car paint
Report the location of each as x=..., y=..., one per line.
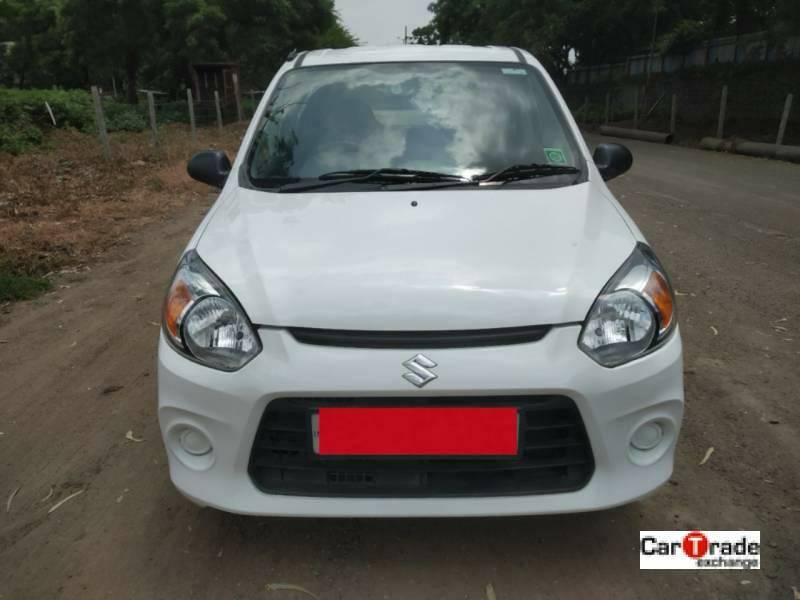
x=461, y=259
x=457, y=261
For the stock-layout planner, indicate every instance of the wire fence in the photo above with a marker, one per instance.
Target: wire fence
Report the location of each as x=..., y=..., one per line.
x=735, y=88
x=694, y=108
x=759, y=47
x=690, y=108
x=158, y=109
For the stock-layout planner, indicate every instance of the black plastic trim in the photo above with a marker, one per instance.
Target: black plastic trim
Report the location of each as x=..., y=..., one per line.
x=555, y=454
x=420, y=340
x=300, y=60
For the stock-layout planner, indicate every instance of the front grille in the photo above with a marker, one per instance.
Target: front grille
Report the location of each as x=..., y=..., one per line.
x=420, y=340
x=555, y=454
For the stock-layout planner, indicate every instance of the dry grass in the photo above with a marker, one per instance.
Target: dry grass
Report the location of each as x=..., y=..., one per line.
x=63, y=206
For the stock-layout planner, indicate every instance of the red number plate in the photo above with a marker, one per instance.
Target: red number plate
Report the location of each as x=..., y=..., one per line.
x=428, y=431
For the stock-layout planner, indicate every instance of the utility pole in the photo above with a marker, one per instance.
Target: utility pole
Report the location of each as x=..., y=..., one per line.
x=406, y=38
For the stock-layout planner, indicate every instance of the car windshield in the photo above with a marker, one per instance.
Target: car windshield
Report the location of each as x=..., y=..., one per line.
x=455, y=118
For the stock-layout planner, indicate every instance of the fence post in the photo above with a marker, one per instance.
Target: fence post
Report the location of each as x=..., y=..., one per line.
x=151, y=107
x=238, y=96
x=101, y=122
x=636, y=108
x=219, y=111
x=673, y=114
x=190, y=100
x=723, y=107
x=787, y=108
x=608, y=107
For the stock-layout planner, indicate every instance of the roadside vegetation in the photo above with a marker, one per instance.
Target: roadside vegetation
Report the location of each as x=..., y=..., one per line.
x=21, y=287
x=62, y=206
x=25, y=120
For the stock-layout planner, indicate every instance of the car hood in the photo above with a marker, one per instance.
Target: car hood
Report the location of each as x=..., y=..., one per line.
x=459, y=259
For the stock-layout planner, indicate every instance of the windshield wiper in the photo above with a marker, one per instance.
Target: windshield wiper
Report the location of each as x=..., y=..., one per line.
x=531, y=171
x=272, y=181
x=396, y=173
x=387, y=175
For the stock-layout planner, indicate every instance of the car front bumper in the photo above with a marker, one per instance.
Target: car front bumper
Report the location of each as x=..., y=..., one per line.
x=227, y=408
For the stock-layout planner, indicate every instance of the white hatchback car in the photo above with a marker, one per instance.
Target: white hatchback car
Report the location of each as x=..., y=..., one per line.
x=416, y=296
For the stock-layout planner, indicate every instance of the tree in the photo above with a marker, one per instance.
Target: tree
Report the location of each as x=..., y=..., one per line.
x=256, y=33
x=599, y=31
x=108, y=33
x=159, y=39
x=32, y=25
x=80, y=42
x=427, y=35
x=193, y=31
x=786, y=21
x=337, y=36
x=537, y=25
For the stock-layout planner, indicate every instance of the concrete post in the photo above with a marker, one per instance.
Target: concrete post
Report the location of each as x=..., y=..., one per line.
x=151, y=108
x=723, y=107
x=673, y=114
x=219, y=111
x=100, y=121
x=192, y=123
x=787, y=108
x=238, y=96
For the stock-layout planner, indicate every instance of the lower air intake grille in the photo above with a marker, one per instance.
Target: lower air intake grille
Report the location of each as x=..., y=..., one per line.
x=555, y=457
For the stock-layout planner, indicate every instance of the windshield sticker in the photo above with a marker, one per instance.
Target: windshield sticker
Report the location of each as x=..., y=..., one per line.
x=508, y=71
x=555, y=156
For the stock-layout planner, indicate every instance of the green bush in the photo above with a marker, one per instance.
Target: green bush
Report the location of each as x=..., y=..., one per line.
x=172, y=112
x=123, y=117
x=17, y=136
x=21, y=287
x=24, y=117
x=71, y=108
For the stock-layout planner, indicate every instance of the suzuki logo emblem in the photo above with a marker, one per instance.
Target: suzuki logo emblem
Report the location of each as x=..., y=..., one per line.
x=421, y=374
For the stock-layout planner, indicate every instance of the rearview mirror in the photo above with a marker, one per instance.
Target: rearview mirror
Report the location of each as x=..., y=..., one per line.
x=612, y=160
x=210, y=166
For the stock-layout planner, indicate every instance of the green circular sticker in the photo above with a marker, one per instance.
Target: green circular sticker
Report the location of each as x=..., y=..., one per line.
x=555, y=156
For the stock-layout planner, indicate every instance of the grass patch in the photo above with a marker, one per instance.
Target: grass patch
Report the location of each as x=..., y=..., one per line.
x=21, y=287
x=61, y=209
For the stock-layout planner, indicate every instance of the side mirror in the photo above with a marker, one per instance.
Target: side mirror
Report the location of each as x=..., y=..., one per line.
x=210, y=166
x=612, y=160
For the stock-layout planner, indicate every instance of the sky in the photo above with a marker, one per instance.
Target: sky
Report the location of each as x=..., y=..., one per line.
x=381, y=22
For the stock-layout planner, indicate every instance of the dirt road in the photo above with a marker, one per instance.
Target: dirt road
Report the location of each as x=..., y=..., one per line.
x=77, y=373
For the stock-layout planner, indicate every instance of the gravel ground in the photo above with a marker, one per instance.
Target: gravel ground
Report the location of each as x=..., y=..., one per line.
x=77, y=372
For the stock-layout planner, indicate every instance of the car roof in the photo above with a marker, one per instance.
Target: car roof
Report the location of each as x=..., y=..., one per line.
x=413, y=53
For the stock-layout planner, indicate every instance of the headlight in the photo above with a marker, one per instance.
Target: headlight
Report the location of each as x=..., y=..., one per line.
x=633, y=314
x=204, y=321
